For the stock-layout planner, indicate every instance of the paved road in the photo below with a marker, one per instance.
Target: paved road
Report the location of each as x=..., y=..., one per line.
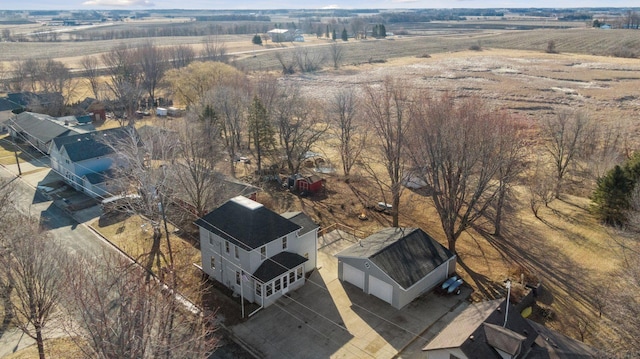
x=76, y=237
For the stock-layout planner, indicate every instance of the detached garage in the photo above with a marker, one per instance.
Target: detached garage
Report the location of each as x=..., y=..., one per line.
x=396, y=264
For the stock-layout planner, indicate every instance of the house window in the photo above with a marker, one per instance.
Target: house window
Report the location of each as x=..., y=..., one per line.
x=263, y=253
x=284, y=243
x=213, y=262
x=236, y=251
x=306, y=255
x=285, y=282
x=238, y=278
x=258, y=290
x=292, y=277
x=277, y=285
x=226, y=246
x=269, y=289
x=210, y=238
x=66, y=161
x=298, y=273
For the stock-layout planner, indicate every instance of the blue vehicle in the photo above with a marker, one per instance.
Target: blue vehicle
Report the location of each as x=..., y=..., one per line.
x=449, y=281
x=455, y=287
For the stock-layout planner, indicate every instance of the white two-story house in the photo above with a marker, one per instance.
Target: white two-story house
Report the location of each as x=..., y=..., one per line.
x=85, y=160
x=256, y=252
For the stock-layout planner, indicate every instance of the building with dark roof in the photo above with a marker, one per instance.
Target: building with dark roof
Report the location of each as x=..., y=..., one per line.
x=256, y=252
x=8, y=109
x=396, y=264
x=38, y=130
x=86, y=160
x=481, y=332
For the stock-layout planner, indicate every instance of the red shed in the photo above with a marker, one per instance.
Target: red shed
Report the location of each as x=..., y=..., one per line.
x=308, y=184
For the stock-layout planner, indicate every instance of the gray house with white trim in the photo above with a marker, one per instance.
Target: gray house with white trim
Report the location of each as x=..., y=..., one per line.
x=256, y=252
x=396, y=264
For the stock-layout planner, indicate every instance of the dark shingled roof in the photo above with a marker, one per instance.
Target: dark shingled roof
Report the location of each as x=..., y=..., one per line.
x=100, y=177
x=405, y=254
x=278, y=265
x=89, y=145
x=478, y=331
x=302, y=220
x=8, y=105
x=40, y=126
x=246, y=223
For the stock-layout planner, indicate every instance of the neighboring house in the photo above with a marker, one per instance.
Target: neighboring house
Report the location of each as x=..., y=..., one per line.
x=38, y=102
x=8, y=110
x=38, y=130
x=280, y=35
x=84, y=160
x=480, y=332
x=256, y=252
x=396, y=264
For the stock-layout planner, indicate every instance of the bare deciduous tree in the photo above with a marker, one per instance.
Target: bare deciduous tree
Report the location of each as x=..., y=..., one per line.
x=337, y=54
x=566, y=135
x=194, y=170
x=456, y=151
x=298, y=130
x=307, y=59
x=214, y=49
x=191, y=83
x=388, y=108
x=90, y=65
x=123, y=70
x=32, y=262
x=153, y=64
x=180, y=55
x=343, y=114
x=540, y=187
x=119, y=314
x=230, y=104
x=511, y=147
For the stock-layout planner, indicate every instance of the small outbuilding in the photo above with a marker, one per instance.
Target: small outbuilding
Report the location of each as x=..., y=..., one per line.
x=305, y=184
x=396, y=264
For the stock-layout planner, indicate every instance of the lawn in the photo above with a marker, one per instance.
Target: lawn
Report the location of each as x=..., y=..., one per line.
x=133, y=235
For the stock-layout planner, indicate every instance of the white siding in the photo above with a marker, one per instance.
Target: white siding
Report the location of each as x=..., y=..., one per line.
x=380, y=289
x=353, y=275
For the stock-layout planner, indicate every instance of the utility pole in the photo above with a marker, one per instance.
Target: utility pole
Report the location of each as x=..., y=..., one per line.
x=506, y=311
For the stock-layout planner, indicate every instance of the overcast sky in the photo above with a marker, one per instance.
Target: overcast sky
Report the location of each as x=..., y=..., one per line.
x=305, y=4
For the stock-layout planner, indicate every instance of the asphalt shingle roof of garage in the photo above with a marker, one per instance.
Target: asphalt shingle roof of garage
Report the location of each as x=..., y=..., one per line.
x=277, y=265
x=246, y=223
x=405, y=254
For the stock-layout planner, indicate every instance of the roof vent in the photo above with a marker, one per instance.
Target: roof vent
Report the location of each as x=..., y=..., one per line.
x=471, y=337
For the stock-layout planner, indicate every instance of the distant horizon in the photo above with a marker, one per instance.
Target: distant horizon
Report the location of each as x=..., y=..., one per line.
x=66, y=5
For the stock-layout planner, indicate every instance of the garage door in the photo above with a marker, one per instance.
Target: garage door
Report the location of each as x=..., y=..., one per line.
x=380, y=289
x=353, y=275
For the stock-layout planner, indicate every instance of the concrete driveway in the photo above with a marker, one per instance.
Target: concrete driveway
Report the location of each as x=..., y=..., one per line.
x=330, y=319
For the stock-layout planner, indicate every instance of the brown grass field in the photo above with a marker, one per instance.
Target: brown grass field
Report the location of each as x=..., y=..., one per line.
x=567, y=248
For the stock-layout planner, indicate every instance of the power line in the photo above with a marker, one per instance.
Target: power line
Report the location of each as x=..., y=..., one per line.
x=238, y=267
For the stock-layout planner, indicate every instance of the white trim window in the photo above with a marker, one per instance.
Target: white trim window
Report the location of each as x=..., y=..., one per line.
x=213, y=262
x=238, y=278
x=263, y=253
x=236, y=252
x=259, y=290
x=284, y=243
x=298, y=273
x=226, y=247
x=269, y=291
